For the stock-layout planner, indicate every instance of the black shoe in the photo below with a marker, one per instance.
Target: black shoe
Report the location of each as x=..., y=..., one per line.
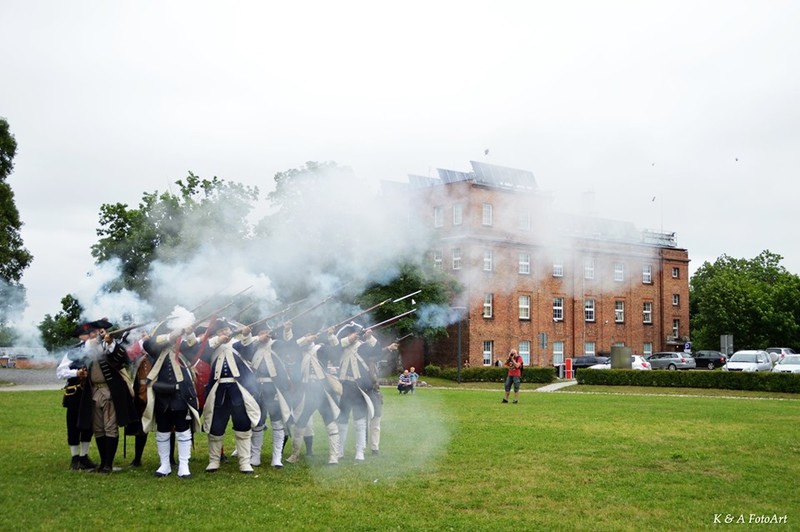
x=104, y=470
x=504, y=401
x=75, y=464
x=136, y=463
x=375, y=452
x=158, y=474
x=515, y=401
x=85, y=463
x=185, y=476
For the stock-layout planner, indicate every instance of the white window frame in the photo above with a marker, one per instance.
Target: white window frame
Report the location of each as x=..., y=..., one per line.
x=647, y=274
x=619, y=311
x=676, y=327
x=488, y=260
x=525, y=351
x=558, y=309
x=589, y=307
x=456, y=258
x=437, y=259
x=524, y=220
x=438, y=216
x=647, y=349
x=647, y=312
x=488, y=349
x=525, y=263
x=525, y=307
x=676, y=300
x=619, y=271
x=588, y=268
x=487, y=215
x=589, y=348
x=488, y=304
x=676, y=272
x=458, y=213
x=558, y=268
x=558, y=353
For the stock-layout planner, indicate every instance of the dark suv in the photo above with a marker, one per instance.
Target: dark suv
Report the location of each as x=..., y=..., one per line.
x=589, y=360
x=709, y=359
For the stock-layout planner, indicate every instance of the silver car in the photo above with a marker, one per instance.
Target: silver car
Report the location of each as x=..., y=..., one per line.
x=788, y=364
x=749, y=360
x=671, y=360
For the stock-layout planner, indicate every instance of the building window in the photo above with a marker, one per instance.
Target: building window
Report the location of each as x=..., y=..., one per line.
x=676, y=300
x=525, y=263
x=647, y=312
x=488, y=348
x=488, y=260
x=438, y=216
x=524, y=220
x=588, y=268
x=647, y=349
x=558, y=269
x=588, y=348
x=456, y=258
x=524, y=307
x=676, y=273
x=558, y=308
x=488, y=299
x=487, y=214
x=619, y=311
x=437, y=259
x=525, y=351
x=619, y=271
x=647, y=274
x=588, y=309
x=458, y=213
x=676, y=328
x=558, y=353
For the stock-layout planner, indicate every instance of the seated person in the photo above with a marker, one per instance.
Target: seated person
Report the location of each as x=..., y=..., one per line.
x=405, y=385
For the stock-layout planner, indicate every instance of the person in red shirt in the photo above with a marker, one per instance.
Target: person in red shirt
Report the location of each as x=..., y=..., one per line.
x=514, y=365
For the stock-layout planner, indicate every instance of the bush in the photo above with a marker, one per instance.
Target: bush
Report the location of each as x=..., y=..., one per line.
x=724, y=380
x=432, y=371
x=495, y=374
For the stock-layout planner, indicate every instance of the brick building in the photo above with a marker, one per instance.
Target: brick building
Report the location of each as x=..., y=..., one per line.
x=548, y=284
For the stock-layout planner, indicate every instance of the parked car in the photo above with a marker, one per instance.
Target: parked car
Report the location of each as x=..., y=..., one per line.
x=671, y=360
x=637, y=362
x=588, y=360
x=778, y=353
x=788, y=364
x=749, y=360
x=709, y=359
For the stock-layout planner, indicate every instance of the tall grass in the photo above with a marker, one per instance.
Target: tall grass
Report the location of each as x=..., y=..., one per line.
x=451, y=459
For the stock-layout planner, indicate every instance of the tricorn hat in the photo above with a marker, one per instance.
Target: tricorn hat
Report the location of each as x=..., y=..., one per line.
x=89, y=326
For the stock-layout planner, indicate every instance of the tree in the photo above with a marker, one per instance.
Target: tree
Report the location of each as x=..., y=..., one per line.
x=757, y=301
x=172, y=228
x=56, y=331
x=14, y=258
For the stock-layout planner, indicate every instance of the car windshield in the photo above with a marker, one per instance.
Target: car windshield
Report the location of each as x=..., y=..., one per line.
x=790, y=359
x=743, y=357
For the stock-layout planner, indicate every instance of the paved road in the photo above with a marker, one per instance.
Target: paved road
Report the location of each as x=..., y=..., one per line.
x=29, y=379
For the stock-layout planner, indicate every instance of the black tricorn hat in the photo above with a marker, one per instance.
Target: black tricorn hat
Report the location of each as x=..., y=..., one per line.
x=89, y=326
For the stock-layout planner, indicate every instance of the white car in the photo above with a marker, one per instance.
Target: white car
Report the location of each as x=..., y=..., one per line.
x=637, y=362
x=788, y=364
x=749, y=360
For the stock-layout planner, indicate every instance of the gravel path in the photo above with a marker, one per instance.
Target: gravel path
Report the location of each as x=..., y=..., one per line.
x=29, y=379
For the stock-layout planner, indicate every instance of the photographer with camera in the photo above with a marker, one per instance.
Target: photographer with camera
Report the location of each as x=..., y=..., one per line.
x=514, y=365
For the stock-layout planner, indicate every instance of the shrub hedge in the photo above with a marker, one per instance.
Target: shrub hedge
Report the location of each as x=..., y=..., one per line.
x=491, y=374
x=725, y=380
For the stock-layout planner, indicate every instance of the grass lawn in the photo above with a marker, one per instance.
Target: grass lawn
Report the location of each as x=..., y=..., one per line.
x=451, y=459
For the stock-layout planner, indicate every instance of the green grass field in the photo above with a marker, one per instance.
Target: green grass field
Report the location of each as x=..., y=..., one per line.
x=451, y=459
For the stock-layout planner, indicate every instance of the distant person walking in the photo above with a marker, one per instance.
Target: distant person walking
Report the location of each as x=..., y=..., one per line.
x=514, y=365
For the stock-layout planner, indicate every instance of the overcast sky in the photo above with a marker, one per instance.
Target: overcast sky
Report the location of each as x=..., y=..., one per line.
x=677, y=115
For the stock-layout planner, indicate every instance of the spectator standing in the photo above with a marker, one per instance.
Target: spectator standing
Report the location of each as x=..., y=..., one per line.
x=414, y=378
x=514, y=365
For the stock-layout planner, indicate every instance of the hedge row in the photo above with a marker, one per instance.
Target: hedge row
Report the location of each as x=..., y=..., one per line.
x=725, y=380
x=491, y=374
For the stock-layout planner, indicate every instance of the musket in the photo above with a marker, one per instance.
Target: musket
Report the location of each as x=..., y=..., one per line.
x=204, y=303
x=351, y=318
x=384, y=323
x=245, y=309
x=407, y=296
x=293, y=318
x=117, y=332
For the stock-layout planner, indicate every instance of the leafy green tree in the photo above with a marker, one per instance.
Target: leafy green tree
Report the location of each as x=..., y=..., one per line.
x=172, y=227
x=14, y=258
x=757, y=301
x=56, y=331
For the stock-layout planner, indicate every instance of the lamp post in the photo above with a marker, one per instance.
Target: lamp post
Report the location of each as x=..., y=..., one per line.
x=460, y=319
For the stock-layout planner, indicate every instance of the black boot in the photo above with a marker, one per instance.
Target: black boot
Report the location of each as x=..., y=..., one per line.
x=140, y=443
x=75, y=464
x=309, y=444
x=100, y=441
x=85, y=463
x=111, y=452
x=172, y=461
